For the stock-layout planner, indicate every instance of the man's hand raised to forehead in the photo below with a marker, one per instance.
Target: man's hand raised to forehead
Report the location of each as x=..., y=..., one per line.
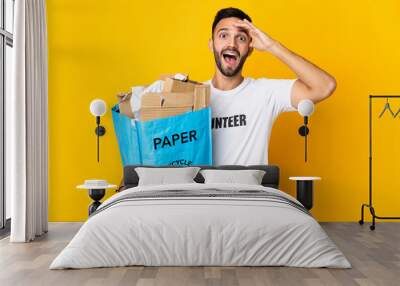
x=259, y=40
x=312, y=82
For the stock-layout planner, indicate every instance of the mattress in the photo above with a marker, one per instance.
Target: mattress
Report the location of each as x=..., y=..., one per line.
x=201, y=225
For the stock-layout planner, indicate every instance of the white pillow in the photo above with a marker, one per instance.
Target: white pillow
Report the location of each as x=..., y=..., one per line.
x=162, y=176
x=249, y=177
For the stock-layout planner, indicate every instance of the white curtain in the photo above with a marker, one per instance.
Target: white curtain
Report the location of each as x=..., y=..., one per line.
x=26, y=124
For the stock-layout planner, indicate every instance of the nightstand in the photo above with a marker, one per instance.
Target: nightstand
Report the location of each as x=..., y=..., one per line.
x=304, y=190
x=97, y=190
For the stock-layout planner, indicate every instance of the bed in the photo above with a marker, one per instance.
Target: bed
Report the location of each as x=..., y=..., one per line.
x=201, y=224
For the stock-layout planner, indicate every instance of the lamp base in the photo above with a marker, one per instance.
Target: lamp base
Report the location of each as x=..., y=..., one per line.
x=100, y=130
x=303, y=130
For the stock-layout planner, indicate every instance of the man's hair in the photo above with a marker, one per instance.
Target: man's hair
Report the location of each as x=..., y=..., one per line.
x=227, y=13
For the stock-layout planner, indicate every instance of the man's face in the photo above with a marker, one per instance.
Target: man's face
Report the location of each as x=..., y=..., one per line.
x=230, y=45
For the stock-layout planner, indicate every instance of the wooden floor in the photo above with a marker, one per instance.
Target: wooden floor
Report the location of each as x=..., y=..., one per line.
x=375, y=257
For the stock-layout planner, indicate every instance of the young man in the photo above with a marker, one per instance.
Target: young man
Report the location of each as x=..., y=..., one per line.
x=244, y=109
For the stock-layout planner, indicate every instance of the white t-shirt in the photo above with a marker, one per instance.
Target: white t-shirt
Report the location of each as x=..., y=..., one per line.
x=242, y=119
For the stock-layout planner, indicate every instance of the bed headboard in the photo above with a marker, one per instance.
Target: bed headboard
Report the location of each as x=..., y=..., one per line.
x=270, y=179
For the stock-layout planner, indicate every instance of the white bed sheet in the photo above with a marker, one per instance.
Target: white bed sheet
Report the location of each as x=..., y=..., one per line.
x=200, y=231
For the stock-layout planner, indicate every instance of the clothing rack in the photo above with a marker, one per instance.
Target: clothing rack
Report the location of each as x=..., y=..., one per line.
x=370, y=205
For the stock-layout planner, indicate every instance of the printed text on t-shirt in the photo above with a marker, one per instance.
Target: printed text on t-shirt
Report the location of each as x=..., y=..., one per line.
x=228, y=121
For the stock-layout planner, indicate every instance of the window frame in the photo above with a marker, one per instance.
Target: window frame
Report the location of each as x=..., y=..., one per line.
x=6, y=39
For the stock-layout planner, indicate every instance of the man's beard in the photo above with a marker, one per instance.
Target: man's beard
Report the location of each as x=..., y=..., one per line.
x=227, y=71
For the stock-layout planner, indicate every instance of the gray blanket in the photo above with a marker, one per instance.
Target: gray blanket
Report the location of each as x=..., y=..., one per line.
x=206, y=194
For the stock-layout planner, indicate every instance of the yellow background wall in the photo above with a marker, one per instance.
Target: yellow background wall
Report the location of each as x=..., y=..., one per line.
x=99, y=48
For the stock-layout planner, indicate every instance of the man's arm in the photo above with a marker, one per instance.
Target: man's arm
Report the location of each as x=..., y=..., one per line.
x=313, y=82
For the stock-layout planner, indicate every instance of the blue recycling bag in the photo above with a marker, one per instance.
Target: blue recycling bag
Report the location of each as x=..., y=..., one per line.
x=181, y=140
x=126, y=132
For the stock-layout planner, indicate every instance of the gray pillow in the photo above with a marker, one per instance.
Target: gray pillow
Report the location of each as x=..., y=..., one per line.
x=249, y=177
x=162, y=176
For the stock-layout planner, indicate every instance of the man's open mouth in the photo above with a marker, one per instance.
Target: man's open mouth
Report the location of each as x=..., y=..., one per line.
x=230, y=57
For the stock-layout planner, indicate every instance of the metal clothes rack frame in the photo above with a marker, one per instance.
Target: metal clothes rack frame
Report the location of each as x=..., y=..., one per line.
x=369, y=205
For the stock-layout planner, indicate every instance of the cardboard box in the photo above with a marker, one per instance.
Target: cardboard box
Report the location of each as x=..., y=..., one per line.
x=151, y=113
x=201, y=92
x=125, y=104
x=201, y=97
x=167, y=99
x=164, y=104
x=177, y=97
x=174, y=85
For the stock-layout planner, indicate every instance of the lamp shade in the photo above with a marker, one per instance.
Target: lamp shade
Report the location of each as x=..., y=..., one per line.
x=305, y=107
x=98, y=107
